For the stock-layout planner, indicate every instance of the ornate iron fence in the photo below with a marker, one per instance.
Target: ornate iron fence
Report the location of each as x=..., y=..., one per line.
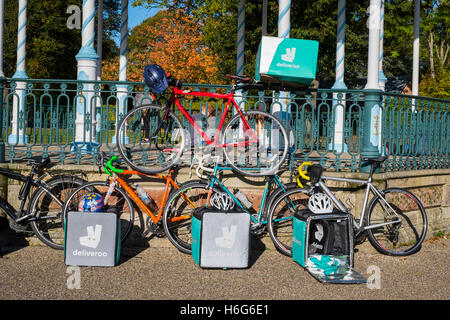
x=71, y=121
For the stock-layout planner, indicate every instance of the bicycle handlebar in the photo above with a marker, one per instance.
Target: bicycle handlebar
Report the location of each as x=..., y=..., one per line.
x=108, y=167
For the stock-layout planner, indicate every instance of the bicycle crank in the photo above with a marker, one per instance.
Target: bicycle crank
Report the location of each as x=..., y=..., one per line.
x=156, y=229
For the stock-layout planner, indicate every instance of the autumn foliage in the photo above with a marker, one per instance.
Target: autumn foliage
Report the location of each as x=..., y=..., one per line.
x=172, y=40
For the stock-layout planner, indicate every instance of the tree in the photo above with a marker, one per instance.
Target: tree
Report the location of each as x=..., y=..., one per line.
x=174, y=41
x=316, y=20
x=51, y=46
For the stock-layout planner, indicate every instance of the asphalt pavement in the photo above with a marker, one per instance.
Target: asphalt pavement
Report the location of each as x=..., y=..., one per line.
x=163, y=273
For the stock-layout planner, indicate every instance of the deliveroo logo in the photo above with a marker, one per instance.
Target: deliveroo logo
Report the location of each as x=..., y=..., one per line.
x=228, y=238
x=289, y=56
x=93, y=237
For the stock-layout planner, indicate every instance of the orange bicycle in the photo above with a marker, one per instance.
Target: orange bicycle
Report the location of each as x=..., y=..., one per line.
x=118, y=196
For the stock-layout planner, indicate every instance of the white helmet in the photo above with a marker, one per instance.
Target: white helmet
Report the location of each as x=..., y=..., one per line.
x=222, y=201
x=320, y=203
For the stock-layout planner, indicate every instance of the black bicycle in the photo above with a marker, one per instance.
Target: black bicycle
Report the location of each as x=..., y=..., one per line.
x=42, y=200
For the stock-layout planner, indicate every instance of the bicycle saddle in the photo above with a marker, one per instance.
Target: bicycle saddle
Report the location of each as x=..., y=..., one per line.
x=39, y=162
x=376, y=160
x=239, y=78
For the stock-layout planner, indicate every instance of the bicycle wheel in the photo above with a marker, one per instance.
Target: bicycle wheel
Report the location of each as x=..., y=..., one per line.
x=400, y=238
x=178, y=212
x=47, y=207
x=149, y=139
x=281, y=215
x=257, y=146
x=117, y=202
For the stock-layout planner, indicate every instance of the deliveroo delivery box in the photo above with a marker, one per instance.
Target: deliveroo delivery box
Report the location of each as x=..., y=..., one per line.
x=286, y=60
x=323, y=245
x=220, y=239
x=92, y=239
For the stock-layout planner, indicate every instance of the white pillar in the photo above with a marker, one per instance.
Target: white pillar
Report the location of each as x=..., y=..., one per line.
x=99, y=39
x=284, y=18
x=284, y=27
x=240, y=48
x=339, y=145
x=17, y=135
x=416, y=46
x=381, y=77
x=87, y=70
x=100, y=54
x=123, y=42
x=374, y=45
x=240, y=38
x=123, y=62
x=372, y=110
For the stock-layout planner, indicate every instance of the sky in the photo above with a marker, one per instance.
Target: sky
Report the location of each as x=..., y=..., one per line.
x=135, y=16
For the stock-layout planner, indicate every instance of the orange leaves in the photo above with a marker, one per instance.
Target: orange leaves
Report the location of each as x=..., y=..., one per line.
x=175, y=43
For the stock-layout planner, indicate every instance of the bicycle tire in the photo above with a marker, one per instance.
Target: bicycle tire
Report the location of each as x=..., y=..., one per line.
x=397, y=239
x=259, y=159
x=118, y=199
x=43, y=206
x=162, y=149
x=179, y=232
x=279, y=220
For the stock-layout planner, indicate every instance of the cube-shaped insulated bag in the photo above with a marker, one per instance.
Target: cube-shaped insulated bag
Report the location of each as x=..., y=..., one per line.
x=220, y=239
x=323, y=244
x=286, y=60
x=92, y=239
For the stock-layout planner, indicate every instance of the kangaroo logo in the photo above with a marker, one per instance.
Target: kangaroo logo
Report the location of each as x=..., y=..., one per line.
x=319, y=233
x=93, y=237
x=228, y=238
x=289, y=55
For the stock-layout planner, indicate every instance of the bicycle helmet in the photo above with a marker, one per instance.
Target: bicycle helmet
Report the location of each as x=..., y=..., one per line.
x=222, y=201
x=91, y=202
x=155, y=78
x=320, y=203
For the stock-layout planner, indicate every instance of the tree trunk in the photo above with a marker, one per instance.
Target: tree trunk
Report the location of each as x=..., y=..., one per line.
x=430, y=46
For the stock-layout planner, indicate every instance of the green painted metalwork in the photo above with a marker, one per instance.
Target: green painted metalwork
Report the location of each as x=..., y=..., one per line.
x=415, y=131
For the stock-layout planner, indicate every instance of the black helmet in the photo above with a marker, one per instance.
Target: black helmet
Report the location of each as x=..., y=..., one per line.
x=155, y=78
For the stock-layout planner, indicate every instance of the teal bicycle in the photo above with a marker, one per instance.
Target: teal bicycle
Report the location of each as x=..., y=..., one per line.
x=213, y=192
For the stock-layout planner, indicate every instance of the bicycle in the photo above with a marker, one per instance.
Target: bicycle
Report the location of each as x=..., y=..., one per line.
x=42, y=208
x=118, y=194
x=253, y=142
x=394, y=220
x=209, y=193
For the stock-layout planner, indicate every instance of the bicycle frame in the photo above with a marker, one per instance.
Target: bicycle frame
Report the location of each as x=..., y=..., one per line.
x=258, y=220
x=168, y=182
x=29, y=181
x=369, y=188
x=230, y=100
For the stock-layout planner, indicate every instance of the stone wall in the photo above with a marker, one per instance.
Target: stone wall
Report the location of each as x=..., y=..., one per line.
x=432, y=187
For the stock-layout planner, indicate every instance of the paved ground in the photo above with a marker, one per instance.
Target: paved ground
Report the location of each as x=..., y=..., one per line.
x=163, y=273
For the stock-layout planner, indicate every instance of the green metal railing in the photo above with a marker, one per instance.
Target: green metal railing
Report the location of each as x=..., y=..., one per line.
x=40, y=118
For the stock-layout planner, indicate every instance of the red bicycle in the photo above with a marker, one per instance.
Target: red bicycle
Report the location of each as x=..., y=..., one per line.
x=151, y=138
